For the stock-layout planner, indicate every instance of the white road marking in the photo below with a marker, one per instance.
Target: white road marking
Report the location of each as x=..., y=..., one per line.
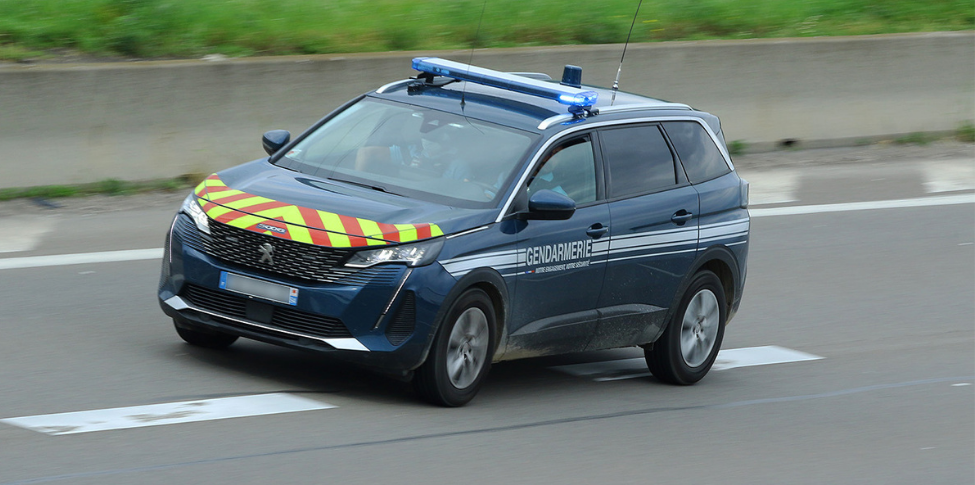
x=23, y=233
x=860, y=206
x=167, y=413
x=772, y=187
x=81, y=258
x=752, y=356
x=614, y=370
x=949, y=175
x=143, y=254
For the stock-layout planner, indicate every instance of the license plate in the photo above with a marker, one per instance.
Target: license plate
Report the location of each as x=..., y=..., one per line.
x=259, y=288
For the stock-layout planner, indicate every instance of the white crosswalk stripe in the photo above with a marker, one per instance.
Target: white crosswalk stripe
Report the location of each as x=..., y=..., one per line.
x=614, y=370
x=790, y=184
x=166, y=413
x=772, y=186
x=24, y=232
x=949, y=176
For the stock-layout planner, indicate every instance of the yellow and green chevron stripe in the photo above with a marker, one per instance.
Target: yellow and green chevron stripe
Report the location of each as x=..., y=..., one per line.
x=266, y=216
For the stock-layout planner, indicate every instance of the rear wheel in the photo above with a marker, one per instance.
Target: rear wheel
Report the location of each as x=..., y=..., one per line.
x=202, y=338
x=686, y=351
x=461, y=353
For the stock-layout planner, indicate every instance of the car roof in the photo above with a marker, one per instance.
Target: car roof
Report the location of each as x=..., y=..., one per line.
x=517, y=110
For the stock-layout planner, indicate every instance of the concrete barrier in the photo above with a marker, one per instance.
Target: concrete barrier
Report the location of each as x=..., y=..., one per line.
x=143, y=120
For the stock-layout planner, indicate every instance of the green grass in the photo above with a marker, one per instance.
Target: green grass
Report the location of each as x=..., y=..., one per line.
x=191, y=28
x=917, y=138
x=104, y=187
x=965, y=133
x=737, y=147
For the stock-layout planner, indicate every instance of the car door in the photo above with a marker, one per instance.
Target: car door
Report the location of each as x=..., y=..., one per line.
x=653, y=234
x=723, y=222
x=561, y=261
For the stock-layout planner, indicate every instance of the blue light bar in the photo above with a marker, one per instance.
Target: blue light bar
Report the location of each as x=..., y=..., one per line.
x=563, y=94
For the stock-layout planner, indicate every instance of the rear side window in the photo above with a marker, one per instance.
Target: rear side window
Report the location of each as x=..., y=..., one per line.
x=639, y=160
x=700, y=156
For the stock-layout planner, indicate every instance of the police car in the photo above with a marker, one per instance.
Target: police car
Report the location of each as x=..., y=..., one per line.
x=467, y=216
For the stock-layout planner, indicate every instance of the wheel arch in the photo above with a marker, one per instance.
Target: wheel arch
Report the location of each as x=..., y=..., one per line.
x=725, y=270
x=489, y=281
x=723, y=263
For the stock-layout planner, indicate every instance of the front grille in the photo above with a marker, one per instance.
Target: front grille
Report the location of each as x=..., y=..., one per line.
x=376, y=275
x=309, y=323
x=217, y=301
x=291, y=259
x=283, y=318
x=402, y=325
x=294, y=259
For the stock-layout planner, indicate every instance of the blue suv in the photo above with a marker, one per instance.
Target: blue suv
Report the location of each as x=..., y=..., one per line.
x=468, y=216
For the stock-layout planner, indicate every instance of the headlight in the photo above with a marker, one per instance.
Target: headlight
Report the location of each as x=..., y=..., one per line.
x=417, y=254
x=192, y=208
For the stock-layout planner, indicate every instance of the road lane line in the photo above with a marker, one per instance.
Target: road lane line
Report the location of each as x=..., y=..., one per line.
x=614, y=370
x=81, y=258
x=860, y=206
x=144, y=254
x=166, y=413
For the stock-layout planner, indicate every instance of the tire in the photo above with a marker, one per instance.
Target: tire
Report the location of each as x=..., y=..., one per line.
x=686, y=351
x=461, y=354
x=200, y=338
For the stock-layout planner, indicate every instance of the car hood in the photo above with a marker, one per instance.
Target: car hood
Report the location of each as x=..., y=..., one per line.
x=262, y=198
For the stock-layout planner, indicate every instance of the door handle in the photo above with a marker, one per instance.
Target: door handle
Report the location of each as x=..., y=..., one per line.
x=681, y=216
x=597, y=230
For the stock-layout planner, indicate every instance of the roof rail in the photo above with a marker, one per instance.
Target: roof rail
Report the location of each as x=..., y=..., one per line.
x=643, y=106
x=559, y=119
x=393, y=84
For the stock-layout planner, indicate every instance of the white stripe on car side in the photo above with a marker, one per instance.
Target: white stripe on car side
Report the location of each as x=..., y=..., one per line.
x=723, y=229
x=462, y=266
x=615, y=248
x=651, y=255
x=705, y=242
x=650, y=239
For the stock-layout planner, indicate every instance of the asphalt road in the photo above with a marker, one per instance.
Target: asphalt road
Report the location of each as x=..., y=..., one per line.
x=886, y=296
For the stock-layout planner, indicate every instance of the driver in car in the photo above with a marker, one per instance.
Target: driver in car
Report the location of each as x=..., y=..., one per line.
x=437, y=153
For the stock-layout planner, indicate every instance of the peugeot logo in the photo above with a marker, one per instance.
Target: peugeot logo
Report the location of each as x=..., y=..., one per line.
x=267, y=253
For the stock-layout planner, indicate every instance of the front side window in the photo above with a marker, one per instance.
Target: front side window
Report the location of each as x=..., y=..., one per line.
x=639, y=160
x=417, y=152
x=569, y=169
x=700, y=156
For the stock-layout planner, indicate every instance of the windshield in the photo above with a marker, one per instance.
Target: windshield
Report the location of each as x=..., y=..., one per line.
x=412, y=151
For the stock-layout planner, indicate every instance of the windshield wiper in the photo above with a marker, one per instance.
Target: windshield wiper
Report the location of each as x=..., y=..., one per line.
x=363, y=184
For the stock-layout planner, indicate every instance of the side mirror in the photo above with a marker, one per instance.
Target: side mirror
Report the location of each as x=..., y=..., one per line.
x=549, y=205
x=274, y=140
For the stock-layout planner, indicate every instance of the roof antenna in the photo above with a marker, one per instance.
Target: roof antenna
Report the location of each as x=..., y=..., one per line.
x=616, y=83
x=473, y=46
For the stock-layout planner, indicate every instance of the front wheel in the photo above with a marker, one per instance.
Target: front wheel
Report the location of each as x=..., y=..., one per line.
x=686, y=351
x=461, y=353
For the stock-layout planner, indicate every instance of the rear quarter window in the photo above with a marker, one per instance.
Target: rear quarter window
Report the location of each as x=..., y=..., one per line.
x=639, y=160
x=700, y=156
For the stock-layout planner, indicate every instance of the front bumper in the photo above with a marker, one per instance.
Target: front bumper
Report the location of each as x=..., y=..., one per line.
x=384, y=319
x=178, y=307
